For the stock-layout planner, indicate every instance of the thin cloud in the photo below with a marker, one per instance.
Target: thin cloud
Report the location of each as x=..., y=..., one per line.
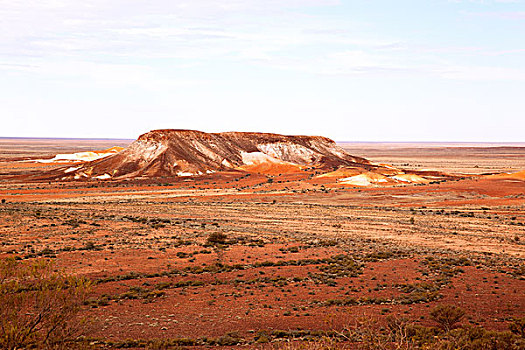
x=506, y=15
x=273, y=33
x=233, y=58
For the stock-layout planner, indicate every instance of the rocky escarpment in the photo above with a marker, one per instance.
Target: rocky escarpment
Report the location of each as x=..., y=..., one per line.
x=189, y=152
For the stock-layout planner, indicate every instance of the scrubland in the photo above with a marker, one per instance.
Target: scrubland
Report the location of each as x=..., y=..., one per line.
x=267, y=261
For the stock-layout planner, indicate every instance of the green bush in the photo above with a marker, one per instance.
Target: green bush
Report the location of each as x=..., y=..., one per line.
x=447, y=316
x=39, y=306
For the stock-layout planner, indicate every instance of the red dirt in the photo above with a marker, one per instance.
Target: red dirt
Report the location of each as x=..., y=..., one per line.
x=138, y=236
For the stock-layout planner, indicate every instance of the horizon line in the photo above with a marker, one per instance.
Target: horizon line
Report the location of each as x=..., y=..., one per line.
x=337, y=141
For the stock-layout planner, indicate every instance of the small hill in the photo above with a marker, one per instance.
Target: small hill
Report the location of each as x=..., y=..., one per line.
x=520, y=175
x=172, y=152
x=81, y=156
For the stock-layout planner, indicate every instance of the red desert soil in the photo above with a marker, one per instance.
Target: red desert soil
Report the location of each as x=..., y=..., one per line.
x=302, y=252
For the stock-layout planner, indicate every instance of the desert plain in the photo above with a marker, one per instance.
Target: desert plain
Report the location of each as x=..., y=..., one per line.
x=268, y=261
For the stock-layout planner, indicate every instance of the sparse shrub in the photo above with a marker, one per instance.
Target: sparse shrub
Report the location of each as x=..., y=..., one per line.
x=182, y=255
x=90, y=246
x=262, y=337
x=342, y=266
x=216, y=238
x=447, y=316
x=47, y=252
x=477, y=338
x=518, y=327
x=227, y=340
x=327, y=243
x=39, y=306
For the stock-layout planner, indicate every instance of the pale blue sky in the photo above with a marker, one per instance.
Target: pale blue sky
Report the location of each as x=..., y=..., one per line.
x=421, y=70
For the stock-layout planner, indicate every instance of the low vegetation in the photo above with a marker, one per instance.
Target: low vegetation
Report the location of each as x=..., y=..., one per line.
x=264, y=270
x=39, y=306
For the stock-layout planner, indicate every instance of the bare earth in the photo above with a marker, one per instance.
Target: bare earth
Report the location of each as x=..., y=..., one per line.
x=302, y=253
x=468, y=158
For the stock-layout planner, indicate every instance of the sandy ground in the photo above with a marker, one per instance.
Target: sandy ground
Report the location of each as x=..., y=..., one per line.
x=13, y=148
x=469, y=158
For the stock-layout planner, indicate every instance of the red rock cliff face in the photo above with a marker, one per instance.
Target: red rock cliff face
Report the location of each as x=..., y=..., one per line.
x=188, y=152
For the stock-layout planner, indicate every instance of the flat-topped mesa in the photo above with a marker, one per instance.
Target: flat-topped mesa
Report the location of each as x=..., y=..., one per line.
x=171, y=152
x=166, y=134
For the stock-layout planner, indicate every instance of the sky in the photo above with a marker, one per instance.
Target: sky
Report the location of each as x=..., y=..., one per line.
x=351, y=70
